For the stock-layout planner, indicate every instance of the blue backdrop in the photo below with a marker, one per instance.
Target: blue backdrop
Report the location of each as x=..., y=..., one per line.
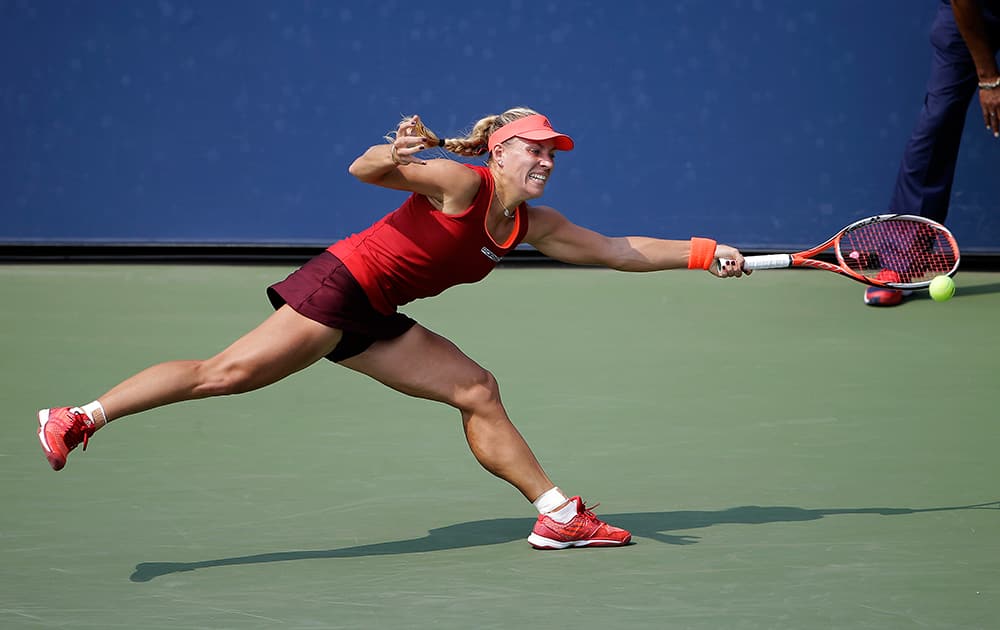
x=763, y=123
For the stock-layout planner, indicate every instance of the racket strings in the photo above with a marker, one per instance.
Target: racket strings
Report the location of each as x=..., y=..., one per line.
x=912, y=251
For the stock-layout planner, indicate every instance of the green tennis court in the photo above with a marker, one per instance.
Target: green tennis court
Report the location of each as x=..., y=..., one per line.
x=784, y=456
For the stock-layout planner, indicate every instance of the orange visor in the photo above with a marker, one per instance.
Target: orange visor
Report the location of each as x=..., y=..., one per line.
x=535, y=127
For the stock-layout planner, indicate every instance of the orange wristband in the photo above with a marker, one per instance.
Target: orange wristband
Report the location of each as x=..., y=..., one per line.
x=702, y=253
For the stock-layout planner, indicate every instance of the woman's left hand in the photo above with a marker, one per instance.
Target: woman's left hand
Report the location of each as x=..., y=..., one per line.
x=734, y=260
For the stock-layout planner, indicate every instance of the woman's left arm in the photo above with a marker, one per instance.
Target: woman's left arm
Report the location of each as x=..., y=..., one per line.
x=557, y=237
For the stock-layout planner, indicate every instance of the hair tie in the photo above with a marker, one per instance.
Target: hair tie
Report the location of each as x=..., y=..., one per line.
x=441, y=142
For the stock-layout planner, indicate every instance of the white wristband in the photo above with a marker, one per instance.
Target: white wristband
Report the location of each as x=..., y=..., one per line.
x=990, y=85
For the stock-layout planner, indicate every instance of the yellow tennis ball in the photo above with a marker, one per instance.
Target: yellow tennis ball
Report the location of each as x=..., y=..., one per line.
x=942, y=288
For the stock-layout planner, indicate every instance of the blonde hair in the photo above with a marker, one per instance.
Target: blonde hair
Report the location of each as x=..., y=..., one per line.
x=475, y=142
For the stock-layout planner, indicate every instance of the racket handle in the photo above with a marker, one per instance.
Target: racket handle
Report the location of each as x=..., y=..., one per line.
x=770, y=261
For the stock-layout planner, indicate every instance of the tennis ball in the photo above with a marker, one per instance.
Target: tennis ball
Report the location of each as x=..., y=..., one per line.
x=942, y=288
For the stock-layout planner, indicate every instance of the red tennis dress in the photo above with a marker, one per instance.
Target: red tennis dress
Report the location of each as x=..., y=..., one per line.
x=418, y=251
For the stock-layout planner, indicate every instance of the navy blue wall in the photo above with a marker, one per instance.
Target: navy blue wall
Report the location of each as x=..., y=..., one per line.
x=764, y=123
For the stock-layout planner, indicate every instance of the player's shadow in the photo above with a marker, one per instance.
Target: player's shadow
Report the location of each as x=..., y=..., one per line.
x=650, y=525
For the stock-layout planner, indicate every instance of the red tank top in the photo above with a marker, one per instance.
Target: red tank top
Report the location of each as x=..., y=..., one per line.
x=418, y=251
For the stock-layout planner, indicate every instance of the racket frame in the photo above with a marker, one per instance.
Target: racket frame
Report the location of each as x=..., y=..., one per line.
x=805, y=258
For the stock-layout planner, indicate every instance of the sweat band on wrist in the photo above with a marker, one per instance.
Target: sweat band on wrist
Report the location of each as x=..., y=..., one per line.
x=702, y=253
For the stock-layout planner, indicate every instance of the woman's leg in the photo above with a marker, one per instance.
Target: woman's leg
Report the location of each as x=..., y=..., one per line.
x=284, y=343
x=426, y=365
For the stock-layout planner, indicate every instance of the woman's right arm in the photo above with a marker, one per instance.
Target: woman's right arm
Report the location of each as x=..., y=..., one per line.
x=374, y=164
x=397, y=165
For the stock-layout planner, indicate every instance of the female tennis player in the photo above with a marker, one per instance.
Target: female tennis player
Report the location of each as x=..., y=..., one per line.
x=457, y=223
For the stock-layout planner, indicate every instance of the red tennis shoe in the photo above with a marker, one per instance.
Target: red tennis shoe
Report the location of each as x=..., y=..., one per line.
x=61, y=430
x=880, y=296
x=585, y=530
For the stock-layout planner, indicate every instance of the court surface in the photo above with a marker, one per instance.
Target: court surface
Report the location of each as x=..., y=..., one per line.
x=784, y=456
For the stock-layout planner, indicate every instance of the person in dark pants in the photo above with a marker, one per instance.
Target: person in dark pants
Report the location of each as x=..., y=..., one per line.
x=965, y=37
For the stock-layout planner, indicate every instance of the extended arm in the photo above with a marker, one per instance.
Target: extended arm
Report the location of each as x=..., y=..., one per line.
x=558, y=238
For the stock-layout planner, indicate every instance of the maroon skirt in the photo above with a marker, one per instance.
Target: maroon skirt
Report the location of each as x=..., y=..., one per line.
x=325, y=291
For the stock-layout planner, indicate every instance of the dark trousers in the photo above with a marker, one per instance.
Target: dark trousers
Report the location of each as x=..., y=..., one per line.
x=923, y=186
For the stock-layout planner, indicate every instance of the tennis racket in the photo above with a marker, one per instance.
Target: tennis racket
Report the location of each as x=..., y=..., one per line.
x=898, y=251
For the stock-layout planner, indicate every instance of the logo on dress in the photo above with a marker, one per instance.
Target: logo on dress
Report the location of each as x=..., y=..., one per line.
x=489, y=254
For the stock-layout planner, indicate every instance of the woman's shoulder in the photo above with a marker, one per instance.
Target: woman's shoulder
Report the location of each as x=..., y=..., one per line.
x=542, y=220
x=455, y=185
x=453, y=170
x=482, y=172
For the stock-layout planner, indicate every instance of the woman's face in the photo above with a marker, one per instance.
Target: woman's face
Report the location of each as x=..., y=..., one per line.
x=527, y=165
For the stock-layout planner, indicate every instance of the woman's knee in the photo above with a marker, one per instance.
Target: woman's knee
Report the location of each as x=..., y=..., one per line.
x=479, y=394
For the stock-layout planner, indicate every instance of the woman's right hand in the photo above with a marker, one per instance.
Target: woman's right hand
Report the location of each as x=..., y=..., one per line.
x=407, y=144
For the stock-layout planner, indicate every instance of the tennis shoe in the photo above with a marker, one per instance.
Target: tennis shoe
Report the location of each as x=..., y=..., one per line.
x=881, y=296
x=585, y=530
x=61, y=430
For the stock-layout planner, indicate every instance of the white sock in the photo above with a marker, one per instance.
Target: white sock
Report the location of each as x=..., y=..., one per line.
x=564, y=514
x=549, y=503
x=550, y=500
x=95, y=411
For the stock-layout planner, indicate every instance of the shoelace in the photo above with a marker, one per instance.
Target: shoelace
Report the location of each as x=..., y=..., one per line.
x=587, y=512
x=79, y=430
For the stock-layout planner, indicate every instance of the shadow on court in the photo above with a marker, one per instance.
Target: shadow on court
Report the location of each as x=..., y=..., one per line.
x=962, y=291
x=978, y=289
x=651, y=525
